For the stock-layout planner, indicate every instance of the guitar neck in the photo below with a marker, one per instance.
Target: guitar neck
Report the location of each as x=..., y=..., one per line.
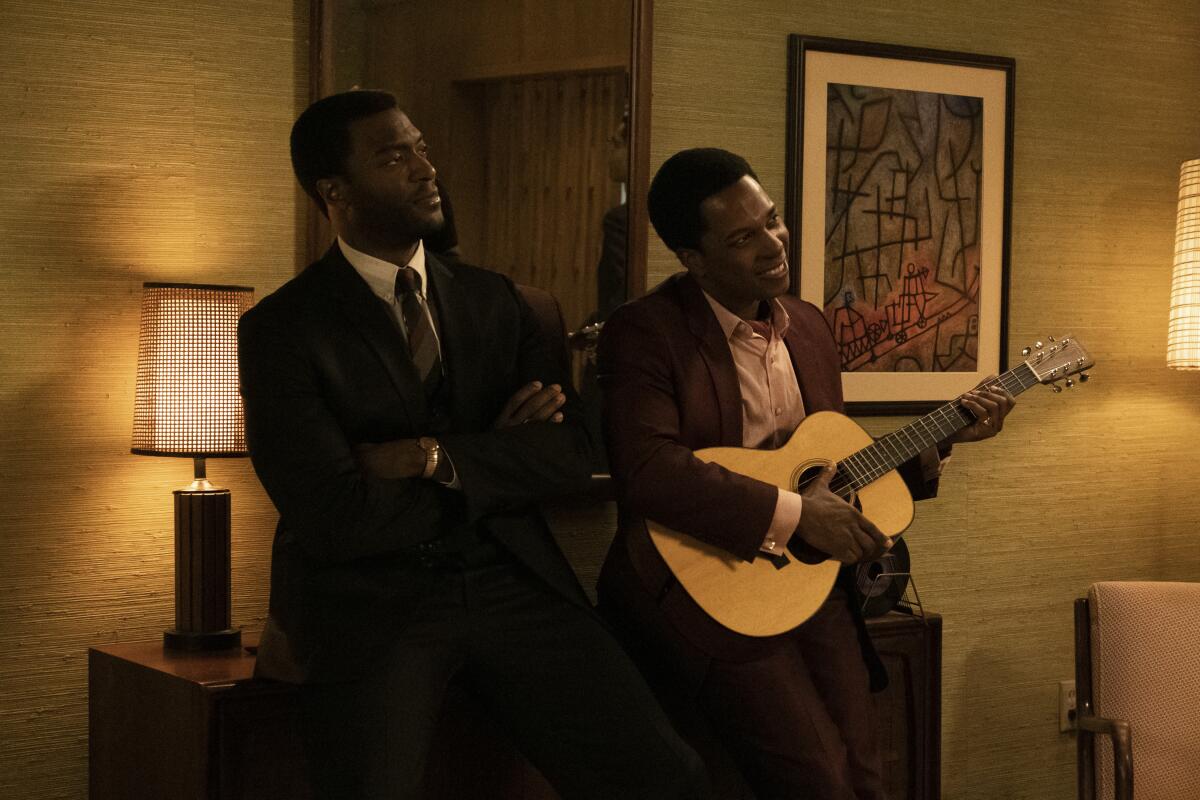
x=892, y=450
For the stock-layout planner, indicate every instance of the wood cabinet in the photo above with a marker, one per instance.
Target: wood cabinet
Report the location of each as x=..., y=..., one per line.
x=191, y=726
x=910, y=709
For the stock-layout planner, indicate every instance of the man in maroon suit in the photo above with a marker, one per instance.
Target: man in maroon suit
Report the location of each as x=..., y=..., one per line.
x=721, y=355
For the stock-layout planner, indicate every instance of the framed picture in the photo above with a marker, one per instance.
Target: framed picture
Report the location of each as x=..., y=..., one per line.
x=899, y=179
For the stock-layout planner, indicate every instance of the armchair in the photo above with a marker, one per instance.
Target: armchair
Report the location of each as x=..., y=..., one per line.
x=1137, y=659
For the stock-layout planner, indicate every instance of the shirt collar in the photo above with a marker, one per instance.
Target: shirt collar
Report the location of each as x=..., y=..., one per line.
x=733, y=325
x=380, y=275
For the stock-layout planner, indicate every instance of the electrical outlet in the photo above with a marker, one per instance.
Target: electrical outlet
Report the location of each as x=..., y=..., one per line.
x=1066, y=706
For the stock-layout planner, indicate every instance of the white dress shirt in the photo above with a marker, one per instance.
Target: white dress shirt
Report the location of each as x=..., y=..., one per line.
x=380, y=276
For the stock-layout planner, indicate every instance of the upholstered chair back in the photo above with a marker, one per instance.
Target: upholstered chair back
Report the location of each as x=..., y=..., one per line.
x=1145, y=669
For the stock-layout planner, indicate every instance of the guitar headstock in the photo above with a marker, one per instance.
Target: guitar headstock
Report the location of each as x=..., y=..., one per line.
x=1056, y=360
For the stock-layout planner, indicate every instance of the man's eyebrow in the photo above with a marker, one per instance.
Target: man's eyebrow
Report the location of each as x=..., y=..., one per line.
x=736, y=232
x=395, y=145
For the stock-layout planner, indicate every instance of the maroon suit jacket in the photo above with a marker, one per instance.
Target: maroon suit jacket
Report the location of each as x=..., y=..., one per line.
x=670, y=388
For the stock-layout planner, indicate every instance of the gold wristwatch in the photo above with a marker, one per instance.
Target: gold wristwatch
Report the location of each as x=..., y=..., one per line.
x=433, y=452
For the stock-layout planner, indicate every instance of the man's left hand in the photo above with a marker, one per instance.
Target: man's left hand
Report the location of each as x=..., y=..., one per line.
x=990, y=403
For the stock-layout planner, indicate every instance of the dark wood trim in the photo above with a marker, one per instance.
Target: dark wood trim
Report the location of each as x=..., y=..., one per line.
x=320, y=81
x=320, y=84
x=639, y=138
x=1085, y=769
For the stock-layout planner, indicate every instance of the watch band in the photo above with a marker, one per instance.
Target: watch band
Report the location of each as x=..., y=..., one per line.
x=433, y=453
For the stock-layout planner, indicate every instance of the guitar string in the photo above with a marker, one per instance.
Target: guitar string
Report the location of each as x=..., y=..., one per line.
x=867, y=465
x=859, y=477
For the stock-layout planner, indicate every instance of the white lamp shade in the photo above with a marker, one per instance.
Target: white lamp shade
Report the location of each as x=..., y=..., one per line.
x=1183, y=330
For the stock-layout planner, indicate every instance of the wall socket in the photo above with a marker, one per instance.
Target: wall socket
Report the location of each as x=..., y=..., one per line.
x=1066, y=706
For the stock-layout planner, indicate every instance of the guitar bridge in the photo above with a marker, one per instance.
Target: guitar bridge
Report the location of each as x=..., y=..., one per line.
x=778, y=560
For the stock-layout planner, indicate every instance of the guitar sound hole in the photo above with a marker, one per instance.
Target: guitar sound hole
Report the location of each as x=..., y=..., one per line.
x=839, y=484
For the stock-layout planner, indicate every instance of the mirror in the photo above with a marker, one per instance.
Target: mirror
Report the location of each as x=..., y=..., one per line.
x=536, y=113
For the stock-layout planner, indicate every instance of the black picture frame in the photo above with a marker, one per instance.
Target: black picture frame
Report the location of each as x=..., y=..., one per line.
x=922, y=301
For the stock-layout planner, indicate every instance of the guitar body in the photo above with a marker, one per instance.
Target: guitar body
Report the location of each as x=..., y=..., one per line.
x=766, y=598
x=758, y=598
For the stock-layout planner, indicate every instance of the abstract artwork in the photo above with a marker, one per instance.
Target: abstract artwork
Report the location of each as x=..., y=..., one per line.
x=898, y=202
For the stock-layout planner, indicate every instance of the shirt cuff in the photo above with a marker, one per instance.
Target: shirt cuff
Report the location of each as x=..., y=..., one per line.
x=454, y=482
x=788, y=506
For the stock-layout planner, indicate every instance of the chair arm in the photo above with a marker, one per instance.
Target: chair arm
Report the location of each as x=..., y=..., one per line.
x=1122, y=743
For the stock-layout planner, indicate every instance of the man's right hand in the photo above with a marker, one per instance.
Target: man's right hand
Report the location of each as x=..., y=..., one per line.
x=532, y=403
x=833, y=526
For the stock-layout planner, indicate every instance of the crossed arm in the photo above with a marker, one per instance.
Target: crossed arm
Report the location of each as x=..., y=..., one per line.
x=340, y=503
x=404, y=458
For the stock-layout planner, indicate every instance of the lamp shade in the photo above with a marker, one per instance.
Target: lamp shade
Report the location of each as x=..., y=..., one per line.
x=1183, y=330
x=187, y=401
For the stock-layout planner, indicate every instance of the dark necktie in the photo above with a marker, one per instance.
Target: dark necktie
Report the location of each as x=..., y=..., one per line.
x=422, y=342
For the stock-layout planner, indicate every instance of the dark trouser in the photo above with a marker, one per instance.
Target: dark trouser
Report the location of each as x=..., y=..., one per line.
x=545, y=668
x=796, y=717
x=800, y=721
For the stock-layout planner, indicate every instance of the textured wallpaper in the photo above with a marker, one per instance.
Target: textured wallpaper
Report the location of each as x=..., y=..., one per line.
x=139, y=141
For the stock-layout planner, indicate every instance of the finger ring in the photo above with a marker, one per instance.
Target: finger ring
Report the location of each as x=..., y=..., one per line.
x=987, y=420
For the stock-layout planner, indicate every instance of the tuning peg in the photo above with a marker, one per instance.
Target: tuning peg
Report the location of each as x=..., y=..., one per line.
x=1084, y=377
x=1070, y=383
x=1038, y=345
x=1052, y=338
x=1054, y=387
x=1025, y=351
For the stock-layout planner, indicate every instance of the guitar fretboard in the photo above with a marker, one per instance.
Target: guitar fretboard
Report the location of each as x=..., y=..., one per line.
x=892, y=450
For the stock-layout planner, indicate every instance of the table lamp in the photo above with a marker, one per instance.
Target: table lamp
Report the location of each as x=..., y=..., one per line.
x=187, y=405
x=1183, y=329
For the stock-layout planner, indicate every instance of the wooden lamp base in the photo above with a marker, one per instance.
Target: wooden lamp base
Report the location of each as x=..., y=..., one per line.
x=202, y=569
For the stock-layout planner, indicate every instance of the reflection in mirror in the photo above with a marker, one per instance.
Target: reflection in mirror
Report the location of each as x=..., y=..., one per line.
x=525, y=108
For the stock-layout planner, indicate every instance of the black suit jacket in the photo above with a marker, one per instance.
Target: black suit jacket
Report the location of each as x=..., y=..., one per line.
x=324, y=367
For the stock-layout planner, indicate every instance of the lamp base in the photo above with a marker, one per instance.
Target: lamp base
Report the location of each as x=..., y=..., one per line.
x=207, y=640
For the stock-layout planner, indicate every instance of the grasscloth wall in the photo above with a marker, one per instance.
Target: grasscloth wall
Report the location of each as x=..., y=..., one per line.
x=143, y=141
x=1096, y=484
x=139, y=141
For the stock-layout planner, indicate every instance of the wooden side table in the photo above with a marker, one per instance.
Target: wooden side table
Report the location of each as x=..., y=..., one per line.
x=170, y=725
x=184, y=726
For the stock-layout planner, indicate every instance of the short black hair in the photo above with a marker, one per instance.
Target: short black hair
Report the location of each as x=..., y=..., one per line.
x=682, y=183
x=321, y=136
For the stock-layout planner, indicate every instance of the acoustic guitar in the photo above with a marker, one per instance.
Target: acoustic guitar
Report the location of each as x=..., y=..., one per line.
x=774, y=594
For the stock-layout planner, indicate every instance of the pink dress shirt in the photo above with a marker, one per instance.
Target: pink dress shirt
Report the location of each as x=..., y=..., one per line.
x=772, y=406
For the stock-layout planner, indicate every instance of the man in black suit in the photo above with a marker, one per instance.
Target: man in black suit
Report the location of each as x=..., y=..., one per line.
x=405, y=415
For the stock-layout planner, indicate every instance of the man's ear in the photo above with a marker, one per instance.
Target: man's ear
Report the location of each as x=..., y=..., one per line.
x=332, y=191
x=692, y=261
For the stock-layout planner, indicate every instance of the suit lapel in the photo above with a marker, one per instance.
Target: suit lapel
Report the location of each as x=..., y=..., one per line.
x=370, y=317
x=714, y=349
x=810, y=373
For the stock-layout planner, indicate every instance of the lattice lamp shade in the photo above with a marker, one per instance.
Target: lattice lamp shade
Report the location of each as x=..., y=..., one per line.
x=1183, y=330
x=187, y=401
